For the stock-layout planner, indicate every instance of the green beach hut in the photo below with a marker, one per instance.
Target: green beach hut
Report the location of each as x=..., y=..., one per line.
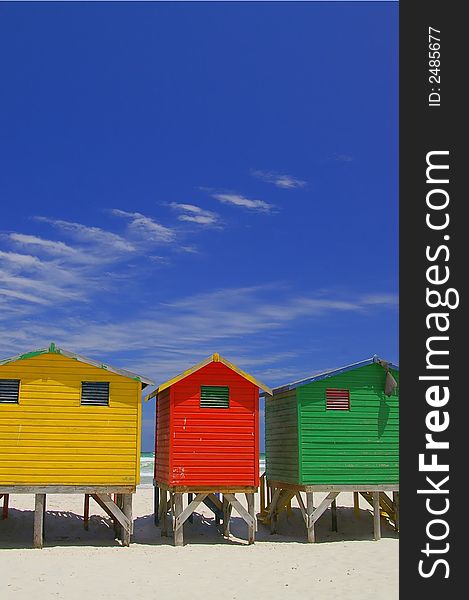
x=333, y=432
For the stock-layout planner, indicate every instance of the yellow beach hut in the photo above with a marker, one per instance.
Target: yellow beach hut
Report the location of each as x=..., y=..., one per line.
x=69, y=424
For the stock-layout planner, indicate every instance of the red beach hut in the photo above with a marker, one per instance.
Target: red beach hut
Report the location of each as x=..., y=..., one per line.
x=207, y=443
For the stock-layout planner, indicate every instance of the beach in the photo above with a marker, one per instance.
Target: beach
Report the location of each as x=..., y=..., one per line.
x=76, y=563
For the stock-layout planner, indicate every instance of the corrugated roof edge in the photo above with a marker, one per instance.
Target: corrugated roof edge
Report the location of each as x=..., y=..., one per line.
x=53, y=349
x=331, y=373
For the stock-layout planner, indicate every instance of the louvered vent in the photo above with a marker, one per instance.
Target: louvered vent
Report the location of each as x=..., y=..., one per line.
x=95, y=393
x=9, y=391
x=214, y=396
x=337, y=399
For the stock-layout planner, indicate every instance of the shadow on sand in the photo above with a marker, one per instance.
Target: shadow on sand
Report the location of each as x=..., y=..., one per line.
x=66, y=528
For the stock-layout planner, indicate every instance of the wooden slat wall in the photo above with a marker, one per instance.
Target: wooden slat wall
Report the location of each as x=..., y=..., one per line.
x=48, y=438
x=162, y=435
x=215, y=446
x=281, y=438
x=358, y=446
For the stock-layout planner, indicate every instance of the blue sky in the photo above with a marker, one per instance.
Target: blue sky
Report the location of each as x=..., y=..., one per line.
x=183, y=179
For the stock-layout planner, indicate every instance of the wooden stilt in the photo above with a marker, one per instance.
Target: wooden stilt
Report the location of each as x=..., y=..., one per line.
x=86, y=512
x=262, y=490
x=164, y=513
x=117, y=527
x=171, y=503
x=334, y=515
x=356, y=503
x=212, y=499
x=114, y=508
x=217, y=518
x=178, y=527
x=227, y=508
x=127, y=510
x=39, y=510
x=156, y=505
x=376, y=516
x=251, y=526
x=181, y=516
x=190, y=497
x=273, y=513
x=240, y=509
x=395, y=502
x=309, y=512
x=5, y=506
x=302, y=506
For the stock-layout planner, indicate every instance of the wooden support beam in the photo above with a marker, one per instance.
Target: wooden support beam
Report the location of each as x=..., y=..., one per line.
x=164, y=513
x=302, y=506
x=251, y=526
x=356, y=503
x=86, y=511
x=6, y=498
x=324, y=505
x=284, y=500
x=156, y=505
x=218, y=503
x=262, y=490
x=116, y=498
x=205, y=489
x=226, y=507
x=112, y=509
x=179, y=521
x=67, y=489
x=395, y=501
x=183, y=515
x=310, y=520
x=127, y=510
x=334, y=515
x=382, y=487
x=240, y=509
x=273, y=511
x=171, y=505
x=274, y=501
x=376, y=516
x=39, y=511
x=190, y=497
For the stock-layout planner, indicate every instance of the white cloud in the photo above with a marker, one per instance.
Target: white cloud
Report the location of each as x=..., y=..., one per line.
x=248, y=325
x=16, y=295
x=93, y=235
x=381, y=299
x=53, y=273
x=286, y=182
x=60, y=250
x=91, y=261
x=195, y=214
x=238, y=200
x=20, y=261
x=146, y=227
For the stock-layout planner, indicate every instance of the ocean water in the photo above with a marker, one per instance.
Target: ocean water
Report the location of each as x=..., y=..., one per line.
x=147, y=465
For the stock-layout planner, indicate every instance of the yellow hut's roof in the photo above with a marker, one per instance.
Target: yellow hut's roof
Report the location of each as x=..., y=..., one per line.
x=53, y=349
x=213, y=358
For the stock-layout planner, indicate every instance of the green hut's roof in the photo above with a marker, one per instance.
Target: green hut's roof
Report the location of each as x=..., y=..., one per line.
x=332, y=372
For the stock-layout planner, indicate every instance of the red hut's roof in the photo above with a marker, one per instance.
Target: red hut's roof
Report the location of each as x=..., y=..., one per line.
x=214, y=358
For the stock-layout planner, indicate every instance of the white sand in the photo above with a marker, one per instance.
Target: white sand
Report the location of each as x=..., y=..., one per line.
x=78, y=564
